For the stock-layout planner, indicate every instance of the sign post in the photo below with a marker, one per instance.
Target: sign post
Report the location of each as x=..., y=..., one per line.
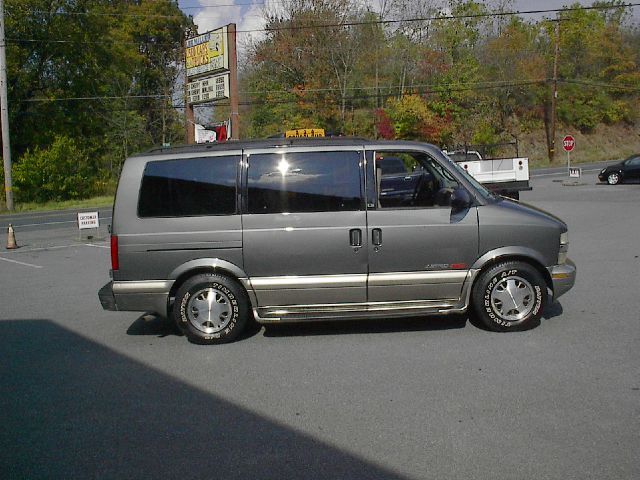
x=88, y=220
x=568, y=144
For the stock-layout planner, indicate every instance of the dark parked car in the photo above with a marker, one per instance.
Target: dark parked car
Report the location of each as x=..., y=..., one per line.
x=621, y=172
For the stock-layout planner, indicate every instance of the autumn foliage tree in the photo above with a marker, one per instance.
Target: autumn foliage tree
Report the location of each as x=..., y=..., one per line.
x=451, y=72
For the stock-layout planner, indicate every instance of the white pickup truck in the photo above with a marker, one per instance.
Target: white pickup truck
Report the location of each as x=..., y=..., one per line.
x=505, y=176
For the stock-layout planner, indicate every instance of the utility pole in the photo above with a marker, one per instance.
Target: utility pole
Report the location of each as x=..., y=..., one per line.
x=4, y=115
x=190, y=123
x=233, y=82
x=189, y=117
x=554, y=93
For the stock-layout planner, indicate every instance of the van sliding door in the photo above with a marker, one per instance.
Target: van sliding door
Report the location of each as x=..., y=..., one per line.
x=304, y=228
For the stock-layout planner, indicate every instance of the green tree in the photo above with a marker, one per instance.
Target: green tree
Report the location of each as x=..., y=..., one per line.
x=61, y=172
x=93, y=71
x=595, y=58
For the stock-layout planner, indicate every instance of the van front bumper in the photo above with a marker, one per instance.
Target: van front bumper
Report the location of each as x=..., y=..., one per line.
x=563, y=278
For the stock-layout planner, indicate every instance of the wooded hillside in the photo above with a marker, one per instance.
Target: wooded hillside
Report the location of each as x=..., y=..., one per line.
x=453, y=73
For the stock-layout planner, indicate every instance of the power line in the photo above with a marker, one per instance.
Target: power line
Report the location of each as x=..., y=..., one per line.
x=247, y=4
x=390, y=21
x=629, y=88
x=440, y=87
x=144, y=15
x=414, y=90
x=443, y=17
x=114, y=14
x=390, y=87
x=422, y=88
x=422, y=91
x=86, y=42
x=152, y=15
x=73, y=99
x=355, y=23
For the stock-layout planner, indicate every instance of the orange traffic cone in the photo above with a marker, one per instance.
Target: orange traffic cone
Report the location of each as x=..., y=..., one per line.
x=11, y=238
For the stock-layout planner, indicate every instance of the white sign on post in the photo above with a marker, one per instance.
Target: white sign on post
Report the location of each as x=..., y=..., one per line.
x=208, y=89
x=88, y=220
x=575, y=172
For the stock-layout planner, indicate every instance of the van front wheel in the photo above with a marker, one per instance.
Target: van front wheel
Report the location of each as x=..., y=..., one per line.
x=510, y=296
x=211, y=308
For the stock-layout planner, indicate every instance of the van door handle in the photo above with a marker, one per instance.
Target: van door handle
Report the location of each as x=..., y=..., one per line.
x=355, y=237
x=376, y=236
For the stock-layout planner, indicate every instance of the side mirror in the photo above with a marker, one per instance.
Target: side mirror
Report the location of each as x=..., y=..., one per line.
x=460, y=199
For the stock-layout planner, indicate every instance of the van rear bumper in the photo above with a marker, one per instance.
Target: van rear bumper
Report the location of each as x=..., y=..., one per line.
x=563, y=278
x=146, y=296
x=107, y=299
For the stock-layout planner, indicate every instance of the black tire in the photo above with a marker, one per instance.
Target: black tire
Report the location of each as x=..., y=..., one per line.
x=614, y=178
x=221, y=299
x=520, y=308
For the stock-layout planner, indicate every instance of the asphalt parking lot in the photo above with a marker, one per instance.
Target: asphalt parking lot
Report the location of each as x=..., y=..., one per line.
x=92, y=394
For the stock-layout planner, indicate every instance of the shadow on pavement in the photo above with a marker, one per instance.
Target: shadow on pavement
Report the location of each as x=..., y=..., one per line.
x=345, y=327
x=150, y=324
x=157, y=326
x=72, y=408
x=552, y=311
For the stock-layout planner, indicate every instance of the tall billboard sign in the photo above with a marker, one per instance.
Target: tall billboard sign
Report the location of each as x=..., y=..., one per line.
x=207, y=53
x=212, y=74
x=208, y=89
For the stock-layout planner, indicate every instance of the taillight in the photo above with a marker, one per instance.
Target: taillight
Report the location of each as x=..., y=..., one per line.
x=115, y=263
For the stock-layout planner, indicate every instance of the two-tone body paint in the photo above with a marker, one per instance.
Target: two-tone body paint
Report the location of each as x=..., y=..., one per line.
x=298, y=266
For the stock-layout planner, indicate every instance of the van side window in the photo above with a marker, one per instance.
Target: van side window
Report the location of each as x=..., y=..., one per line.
x=411, y=180
x=189, y=187
x=304, y=182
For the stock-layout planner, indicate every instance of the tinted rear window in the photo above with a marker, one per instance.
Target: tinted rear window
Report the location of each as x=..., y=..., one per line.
x=189, y=187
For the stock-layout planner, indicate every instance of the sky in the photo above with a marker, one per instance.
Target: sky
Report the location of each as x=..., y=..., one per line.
x=247, y=14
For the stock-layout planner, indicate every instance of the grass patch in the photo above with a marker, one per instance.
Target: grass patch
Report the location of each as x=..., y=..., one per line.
x=102, y=201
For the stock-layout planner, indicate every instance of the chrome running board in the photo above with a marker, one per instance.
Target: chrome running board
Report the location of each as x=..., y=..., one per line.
x=350, y=311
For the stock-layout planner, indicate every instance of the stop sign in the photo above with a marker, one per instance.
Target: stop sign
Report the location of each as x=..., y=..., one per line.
x=568, y=143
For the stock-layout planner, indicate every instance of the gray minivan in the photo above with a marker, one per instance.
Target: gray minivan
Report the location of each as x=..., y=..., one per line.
x=289, y=230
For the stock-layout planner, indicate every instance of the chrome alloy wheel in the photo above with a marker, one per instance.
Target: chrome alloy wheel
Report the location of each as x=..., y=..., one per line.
x=613, y=178
x=512, y=299
x=209, y=310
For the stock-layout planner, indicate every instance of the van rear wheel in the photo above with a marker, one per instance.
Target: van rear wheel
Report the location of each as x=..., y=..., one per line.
x=510, y=296
x=211, y=308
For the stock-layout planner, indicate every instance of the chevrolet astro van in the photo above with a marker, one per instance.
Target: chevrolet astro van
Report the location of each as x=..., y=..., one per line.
x=292, y=230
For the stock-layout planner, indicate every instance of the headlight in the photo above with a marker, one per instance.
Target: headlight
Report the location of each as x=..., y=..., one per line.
x=564, y=248
x=564, y=238
x=602, y=171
